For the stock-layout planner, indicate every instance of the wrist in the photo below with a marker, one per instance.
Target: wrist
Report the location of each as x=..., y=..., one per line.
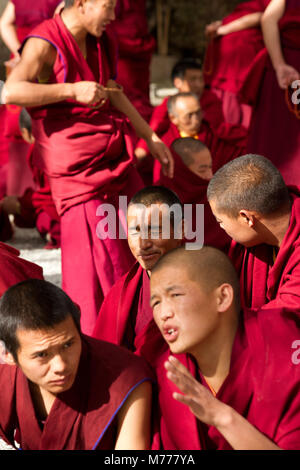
x=224, y=418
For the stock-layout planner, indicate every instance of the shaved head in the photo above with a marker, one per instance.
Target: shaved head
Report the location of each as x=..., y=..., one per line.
x=250, y=182
x=209, y=267
x=186, y=147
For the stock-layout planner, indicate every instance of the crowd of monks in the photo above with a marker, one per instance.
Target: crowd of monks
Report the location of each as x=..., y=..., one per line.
x=153, y=342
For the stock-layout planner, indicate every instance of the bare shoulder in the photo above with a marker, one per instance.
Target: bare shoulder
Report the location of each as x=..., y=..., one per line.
x=38, y=57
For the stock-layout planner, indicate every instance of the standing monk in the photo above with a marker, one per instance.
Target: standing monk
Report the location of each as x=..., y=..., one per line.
x=82, y=141
x=234, y=43
x=275, y=126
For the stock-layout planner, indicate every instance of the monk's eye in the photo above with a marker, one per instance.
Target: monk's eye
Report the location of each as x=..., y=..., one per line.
x=155, y=304
x=41, y=355
x=68, y=344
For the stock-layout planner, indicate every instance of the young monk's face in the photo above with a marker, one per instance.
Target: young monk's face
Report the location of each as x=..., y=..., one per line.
x=185, y=314
x=148, y=236
x=192, y=82
x=97, y=14
x=187, y=115
x=202, y=164
x=50, y=358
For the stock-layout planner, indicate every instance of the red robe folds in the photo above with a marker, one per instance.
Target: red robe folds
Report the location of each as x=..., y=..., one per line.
x=87, y=155
x=82, y=418
x=191, y=189
x=263, y=281
x=227, y=62
x=15, y=269
x=262, y=385
x=275, y=115
x=126, y=309
x=135, y=48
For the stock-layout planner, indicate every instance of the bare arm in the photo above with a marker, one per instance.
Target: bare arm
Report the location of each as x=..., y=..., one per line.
x=245, y=22
x=158, y=149
x=37, y=59
x=273, y=13
x=134, y=420
x=8, y=28
x=237, y=431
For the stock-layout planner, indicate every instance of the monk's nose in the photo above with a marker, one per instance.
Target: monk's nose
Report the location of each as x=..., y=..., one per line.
x=58, y=364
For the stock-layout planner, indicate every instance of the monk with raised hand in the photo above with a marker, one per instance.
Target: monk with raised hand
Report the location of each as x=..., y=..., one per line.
x=62, y=390
x=226, y=378
x=126, y=311
x=82, y=141
x=262, y=216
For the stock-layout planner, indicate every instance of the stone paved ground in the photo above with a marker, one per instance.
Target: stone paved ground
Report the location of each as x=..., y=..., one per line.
x=30, y=245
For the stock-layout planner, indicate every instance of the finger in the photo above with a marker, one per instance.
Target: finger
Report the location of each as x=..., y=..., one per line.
x=185, y=384
x=179, y=366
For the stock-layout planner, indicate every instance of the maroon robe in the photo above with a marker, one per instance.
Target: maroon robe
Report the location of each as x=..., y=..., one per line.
x=227, y=62
x=93, y=167
x=135, y=48
x=82, y=418
x=15, y=269
x=191, y=189
x=262, y=384
x=225, y=143
x=126, y=309
x=275, y=115
x=6, y=231
x=265, y=282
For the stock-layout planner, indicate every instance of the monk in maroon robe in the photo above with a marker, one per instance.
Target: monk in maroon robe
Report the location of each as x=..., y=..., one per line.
x=15, y=269
x=62, y=390
x=262, y=215
x=135, y=49
x=83, y=143
x=225, y=141
x=126, y=310
x=192, y=172
x=233, y=45
x=269, y=87
x=229, y=378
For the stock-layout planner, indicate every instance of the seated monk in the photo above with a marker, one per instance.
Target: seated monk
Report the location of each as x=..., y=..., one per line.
x=62, y=390
x=219, y=388
x=126, y=309
x=35, y=208
x=262, y=215
x=15, y=269
x=192, y=172
x=187, y=120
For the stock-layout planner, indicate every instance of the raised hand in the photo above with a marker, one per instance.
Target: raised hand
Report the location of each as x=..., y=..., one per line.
x=199, y=399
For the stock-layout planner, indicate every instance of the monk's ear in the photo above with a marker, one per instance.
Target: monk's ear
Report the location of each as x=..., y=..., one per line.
x=5, y=356
x=225, y=297
x=173, y=118
x=177, y=82
x=247, y=217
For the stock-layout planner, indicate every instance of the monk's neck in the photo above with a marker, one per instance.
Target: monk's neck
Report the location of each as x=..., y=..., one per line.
x=276, y=228
x=214, y=355
x=42, y=401
x=74, y=26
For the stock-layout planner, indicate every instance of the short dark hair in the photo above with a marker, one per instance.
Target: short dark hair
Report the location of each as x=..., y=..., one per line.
x=157, y=195
x=33, y=304
x=68, y=3
x=173, y=100
x=187, y=146
x=25, y=121
x=249, y=182
x=183, y=65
